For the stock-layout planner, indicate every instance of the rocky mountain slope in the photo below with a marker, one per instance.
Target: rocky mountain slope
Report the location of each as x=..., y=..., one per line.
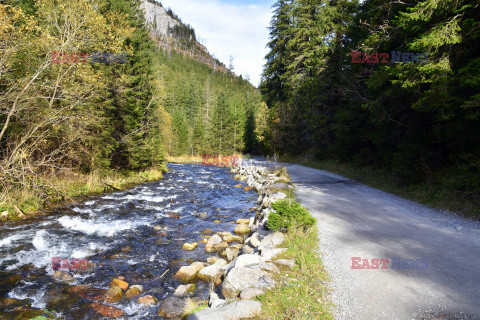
x=170, y=33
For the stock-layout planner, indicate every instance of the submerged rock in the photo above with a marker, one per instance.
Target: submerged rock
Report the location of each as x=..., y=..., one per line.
x=163, y=242
x=172, y=307
x=188, y=273
x=120, y=283
x=147, y=300
x=132, y=292
x=114, y=294
x=189, y=246
x=107, y=311
x=184, y=290
x=63, y=276
x=241, y=228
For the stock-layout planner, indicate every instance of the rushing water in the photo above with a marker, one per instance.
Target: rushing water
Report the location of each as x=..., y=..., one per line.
x=137, y=234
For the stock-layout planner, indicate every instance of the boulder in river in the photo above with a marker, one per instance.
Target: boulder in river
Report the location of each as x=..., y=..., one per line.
x=132, y=292
x=147, y=300
x=114, y=294
x=224, y=234
x=233, y=239
x=220, y=246
x=107, y=311
x=230, y=253
x=241, y=228
x=184, y=290
x=172, y=307
x=244, y=221
x=214, y=240
x=189, y=246
x=120, y=283
x=211, y=273
x=212, y=260
x=188, y=273
x=63, y=276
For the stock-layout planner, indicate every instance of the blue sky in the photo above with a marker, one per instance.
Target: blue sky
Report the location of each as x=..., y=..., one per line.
x=230, y=28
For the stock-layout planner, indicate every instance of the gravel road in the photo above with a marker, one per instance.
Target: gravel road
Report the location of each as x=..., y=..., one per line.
x=434, y=257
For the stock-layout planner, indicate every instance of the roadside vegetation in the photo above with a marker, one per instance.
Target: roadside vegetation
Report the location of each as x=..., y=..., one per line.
x=329, y=97
x=71, y=125
x=302, y=292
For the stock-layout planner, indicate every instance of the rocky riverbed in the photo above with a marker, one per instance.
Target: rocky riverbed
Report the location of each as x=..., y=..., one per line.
x=247, y=268
x=197, y=237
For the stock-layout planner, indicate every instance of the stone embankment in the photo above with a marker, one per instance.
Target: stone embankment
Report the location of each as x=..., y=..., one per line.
x=247, y=262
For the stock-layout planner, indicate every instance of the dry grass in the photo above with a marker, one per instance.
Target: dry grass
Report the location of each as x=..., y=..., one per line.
x=184, y=159
x=194, y=158
x=62, y=189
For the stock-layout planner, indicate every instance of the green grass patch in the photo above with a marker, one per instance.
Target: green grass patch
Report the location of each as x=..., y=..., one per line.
x=303, y=292
x=432, y=192
x=289, y=214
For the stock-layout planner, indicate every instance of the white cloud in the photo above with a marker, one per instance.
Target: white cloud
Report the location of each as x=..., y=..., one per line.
x=230, y=29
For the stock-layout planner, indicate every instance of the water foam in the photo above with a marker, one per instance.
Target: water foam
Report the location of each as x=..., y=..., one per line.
x=99, y=228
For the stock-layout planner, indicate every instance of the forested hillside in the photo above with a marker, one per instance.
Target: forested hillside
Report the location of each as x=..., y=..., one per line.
x=331, y=96
x=87, y=93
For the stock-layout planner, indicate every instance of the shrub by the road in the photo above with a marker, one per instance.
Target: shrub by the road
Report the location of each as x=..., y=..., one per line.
x=289, y=213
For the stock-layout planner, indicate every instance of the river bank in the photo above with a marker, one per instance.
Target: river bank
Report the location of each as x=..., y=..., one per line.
x=129, y=238
x=26, y=202
x=273, y=274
